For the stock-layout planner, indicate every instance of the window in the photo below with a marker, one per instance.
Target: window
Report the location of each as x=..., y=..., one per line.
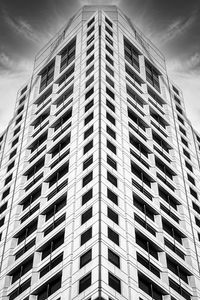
x=147, y=264
x=114, y=258
x=172, y=231
x=20, y=110
x=89, y=93
x=108, y=30
x=28, y=230
x=54, y=224
x=177, y=269
x=111, y=162
x=111, y=132
x=90, y=50
x=68, y=54
x=114, y=282
x=52, y=264
x=89, y=118
x=108, y=22
x=87, y=162
x=112, y=196
x=87, y=147
x=109, y=40
x=112, y=215
x=180, y=120
x=144, y=224
x=90, y=22
x=89, y=105
x=175, y=90
x=8, y=179
x=110, y=93
x=85, y=258
x=147, y=245
x=89, y=70
x=22, y=269
x=58, y=174
x=85, y=282
x=47, y=76
x=89, y=81
x=52, y=245
x=25, y=248
x=12, y=154
x=49, y=288
x=16, y=130
x=168, y=198
x=184, y=142
x=33, y=196
x=88, y=132
x=86, y=216
x=110, y=118
x=55, y=207
x=191, y=179
x=90, y=59
x=186, y=153
x=113, y=236
x=188, y=166
x=109, y=49
x=86, y=236
x=109, y=70
x=193, y=193
x=179, y=109
x=15, y=142
x=179, y=289
x=20, y=289
x=87, y=196
x=30, y=213
x=110, y=105
x=174, y=248
x=182, y=130
x=63, y=79
x=150, y=288
x=109, y=60
x=90, y=31
x=152, y=75
x=111, y=147
x=2, y=221
x=112, y=178
x=131, y=54
x=3, y=207
x=90, y=40
x=18, y=120
x=87, y=178
x=143, y=206
x=5, y=193
x=23, y=90
x=169, y=213
x=110, y=82
x=195, y=207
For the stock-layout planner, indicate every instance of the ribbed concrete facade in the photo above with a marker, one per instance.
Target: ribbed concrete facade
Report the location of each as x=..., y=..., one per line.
x=99, y=172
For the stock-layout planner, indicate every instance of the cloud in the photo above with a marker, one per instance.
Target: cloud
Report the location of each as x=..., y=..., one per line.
x=14, y=65
x=21, y=27
x=193, y=62
x=177, y=28
x=186, y=66
x=99, y=2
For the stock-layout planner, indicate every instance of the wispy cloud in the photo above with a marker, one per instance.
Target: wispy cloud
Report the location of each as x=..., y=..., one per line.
x=9, y=65
x=178, y=27
x=21, y=27
x=99, y=2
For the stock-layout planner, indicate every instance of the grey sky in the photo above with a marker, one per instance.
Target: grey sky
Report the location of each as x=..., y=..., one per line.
x=26, y=25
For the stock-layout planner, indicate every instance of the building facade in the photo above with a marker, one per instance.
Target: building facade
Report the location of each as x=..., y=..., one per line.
x=99, y=172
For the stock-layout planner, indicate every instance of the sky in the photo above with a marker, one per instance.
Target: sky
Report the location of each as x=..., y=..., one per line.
x=27, y=25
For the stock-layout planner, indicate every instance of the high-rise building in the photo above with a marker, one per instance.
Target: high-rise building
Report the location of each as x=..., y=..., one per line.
x=100, y=172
